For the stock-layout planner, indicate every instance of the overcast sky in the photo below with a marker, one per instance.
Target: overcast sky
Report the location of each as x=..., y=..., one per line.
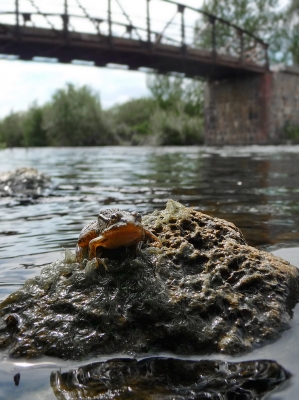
x=23, y=82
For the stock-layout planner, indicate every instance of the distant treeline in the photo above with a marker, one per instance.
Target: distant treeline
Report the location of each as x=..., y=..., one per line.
x=172, y=115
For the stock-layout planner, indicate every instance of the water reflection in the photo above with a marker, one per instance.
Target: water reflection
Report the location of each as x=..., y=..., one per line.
x=169, y=378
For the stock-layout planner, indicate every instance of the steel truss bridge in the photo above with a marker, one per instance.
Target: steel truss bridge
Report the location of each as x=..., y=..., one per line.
x=159, y=35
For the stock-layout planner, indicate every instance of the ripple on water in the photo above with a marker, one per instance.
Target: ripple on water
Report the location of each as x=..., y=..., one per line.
x=264, y=207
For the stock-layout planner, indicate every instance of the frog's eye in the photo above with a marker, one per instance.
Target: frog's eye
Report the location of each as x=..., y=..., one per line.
x=115, y=217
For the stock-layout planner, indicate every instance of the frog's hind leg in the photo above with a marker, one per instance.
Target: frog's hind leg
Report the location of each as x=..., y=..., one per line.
x=149, y=235
x=101, y=260
x=81, y=254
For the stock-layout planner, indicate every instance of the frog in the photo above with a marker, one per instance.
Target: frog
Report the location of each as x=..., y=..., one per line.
x=113, y=228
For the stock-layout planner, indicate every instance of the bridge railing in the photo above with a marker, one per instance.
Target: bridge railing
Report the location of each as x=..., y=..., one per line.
x=152, y=22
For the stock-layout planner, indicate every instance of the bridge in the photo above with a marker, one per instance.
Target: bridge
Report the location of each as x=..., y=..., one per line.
x=187, y=41
x=245, y=102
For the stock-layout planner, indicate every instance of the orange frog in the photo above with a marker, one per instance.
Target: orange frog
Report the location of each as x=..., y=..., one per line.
x=114, y=228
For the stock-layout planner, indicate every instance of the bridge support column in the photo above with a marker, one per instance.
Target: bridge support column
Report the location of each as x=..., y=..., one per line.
x=253, y=109
x=284, y=108
x=237, y=110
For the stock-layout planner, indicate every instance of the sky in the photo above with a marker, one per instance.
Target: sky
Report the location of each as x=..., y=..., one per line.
x=25, y=82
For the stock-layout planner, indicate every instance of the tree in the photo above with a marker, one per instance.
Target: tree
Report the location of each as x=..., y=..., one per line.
x=261, y=18
x=34, y=133
x=292, y=30
x=130, y=120
x=169, y=91
x=175, y=127
x=12, y=130
x=74, y=118
x=178, y=117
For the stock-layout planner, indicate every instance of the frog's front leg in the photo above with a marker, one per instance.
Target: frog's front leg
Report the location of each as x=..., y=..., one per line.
x=93, y=245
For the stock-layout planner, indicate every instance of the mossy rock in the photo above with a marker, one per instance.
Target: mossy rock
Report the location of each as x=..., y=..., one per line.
x=205, y=290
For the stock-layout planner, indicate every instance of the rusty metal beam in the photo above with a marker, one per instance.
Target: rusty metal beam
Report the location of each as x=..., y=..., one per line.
x=125, y=51
x=245, y=53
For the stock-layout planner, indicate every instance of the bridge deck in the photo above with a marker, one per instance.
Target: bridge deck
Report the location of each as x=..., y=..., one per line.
x=30, y=42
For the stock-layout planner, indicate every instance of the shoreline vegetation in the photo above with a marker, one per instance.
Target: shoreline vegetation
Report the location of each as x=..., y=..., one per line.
x=173, y=113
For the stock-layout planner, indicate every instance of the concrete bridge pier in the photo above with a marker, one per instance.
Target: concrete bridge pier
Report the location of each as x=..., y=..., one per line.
x=256, y=109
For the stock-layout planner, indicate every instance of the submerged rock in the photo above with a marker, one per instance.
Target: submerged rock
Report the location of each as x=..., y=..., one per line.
x=205, y=290
x=169, y=378
x=23, y=181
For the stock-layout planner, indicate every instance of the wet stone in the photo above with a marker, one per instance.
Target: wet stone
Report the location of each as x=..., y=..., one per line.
x=204, y=290
x=25, y=181
x=169, y=378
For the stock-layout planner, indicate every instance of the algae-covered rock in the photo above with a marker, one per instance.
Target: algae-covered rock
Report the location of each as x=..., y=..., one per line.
x=169, y=378
x=23, y=181
x=205, y=290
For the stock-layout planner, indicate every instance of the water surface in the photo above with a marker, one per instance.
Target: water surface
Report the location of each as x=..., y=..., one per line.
x=257, y=188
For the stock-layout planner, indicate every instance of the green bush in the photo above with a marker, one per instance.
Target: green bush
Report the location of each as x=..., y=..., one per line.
x=12, y=130
x=176, y=128
x=178, y=117
x=171, y=91
x=34, y=133
x=292, y=133
x=74, y=118
x=130, y=121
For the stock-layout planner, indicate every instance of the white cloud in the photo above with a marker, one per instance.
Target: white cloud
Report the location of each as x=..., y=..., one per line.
x=24, y=82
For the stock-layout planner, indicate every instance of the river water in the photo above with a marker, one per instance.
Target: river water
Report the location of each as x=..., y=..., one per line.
x=257, y=188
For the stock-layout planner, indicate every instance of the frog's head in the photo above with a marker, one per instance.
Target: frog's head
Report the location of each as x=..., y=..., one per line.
x=114, y=218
